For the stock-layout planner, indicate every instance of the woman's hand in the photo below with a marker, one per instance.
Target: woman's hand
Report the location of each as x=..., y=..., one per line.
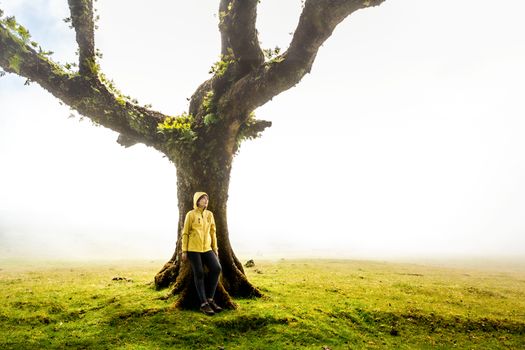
x=184, y=256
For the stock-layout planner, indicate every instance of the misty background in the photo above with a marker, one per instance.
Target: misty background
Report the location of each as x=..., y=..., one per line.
x=406, y=140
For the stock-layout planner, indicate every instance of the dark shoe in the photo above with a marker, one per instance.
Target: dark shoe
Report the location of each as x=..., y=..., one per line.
x=207, y=310
x=214, y=306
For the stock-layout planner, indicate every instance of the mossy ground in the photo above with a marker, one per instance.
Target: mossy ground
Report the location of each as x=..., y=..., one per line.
x=308, y=304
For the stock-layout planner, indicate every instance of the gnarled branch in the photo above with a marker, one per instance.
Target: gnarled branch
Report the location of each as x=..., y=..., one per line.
x=88, y=95
x=238, y=33
x=317, y=22
x=82, y=21
x=17, y=56
x=240, y=51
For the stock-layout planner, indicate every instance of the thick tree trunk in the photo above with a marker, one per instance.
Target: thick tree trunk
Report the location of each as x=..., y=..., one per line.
x=211, y=175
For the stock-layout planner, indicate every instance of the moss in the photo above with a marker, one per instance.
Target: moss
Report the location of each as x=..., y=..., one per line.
x=207, y=102
x=182, y=122
x=15, y=28
x=110, y=85
x=220, y=67
x=210, y=119
x=14, y=63
x=58, y=70
x=222, y=16
x=245, y=131
x=93, y=66
x=271, y=54
x=178, y=128
x=120, y=100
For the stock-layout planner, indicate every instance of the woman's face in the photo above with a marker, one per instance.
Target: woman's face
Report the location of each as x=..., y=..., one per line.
x=203, y=202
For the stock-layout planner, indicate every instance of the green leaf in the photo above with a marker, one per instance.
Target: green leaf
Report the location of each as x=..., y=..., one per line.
x=10, y=22
x=23, y=33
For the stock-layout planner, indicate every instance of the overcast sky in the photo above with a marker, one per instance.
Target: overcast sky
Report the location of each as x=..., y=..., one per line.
x=406, y=140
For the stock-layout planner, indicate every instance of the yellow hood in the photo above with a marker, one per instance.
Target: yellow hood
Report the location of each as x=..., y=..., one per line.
x=199, y=233
x=196, y=197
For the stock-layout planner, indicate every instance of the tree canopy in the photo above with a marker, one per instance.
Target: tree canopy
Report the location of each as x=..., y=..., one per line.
x=242, y=80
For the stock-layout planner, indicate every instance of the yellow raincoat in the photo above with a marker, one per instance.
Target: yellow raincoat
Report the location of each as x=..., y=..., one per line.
x=199, y=232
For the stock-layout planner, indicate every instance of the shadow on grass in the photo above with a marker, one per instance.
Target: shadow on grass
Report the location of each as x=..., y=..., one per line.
x=168, y=328
x=243, y=324
x=163, y=327
x=369, y=320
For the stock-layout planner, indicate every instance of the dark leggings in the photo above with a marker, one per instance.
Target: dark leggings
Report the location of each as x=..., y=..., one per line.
x=214, y=270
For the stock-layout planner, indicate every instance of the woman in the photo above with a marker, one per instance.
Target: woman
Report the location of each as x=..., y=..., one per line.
x=199, y=245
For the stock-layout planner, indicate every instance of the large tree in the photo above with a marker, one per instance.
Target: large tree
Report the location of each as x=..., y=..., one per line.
x=203, y=141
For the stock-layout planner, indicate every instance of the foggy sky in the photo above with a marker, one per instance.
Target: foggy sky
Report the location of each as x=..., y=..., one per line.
x=405, y=140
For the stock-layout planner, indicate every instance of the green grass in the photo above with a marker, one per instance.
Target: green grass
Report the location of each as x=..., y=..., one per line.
x=308, y=304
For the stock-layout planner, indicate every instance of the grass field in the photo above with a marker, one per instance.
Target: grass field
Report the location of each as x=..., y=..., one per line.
x=308, y=304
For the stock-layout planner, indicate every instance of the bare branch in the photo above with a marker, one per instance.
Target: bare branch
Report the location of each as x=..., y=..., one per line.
x=318, y=20
x=88, y=95
x=82, y=21
x=238, y=33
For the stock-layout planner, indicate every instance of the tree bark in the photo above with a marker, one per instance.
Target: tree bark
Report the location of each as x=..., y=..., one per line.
x=208, y=172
